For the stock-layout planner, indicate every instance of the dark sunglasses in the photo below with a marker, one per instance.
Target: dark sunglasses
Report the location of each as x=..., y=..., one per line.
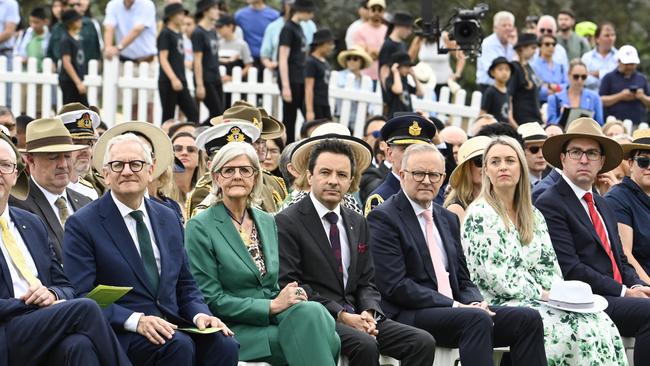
x=577, y=77
x=374, y=134
x=478, y=161
x=353, y=58
x=533, y=149
x=546, y=30
x=642, y=161
x=190, y=149
x=376, y=9
x=549, y=44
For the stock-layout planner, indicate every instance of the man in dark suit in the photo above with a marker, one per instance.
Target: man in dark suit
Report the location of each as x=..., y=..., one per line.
x=584, y=229
x=547, y=182
x=125, y=239
x=423, y=278
x=37, y=324
x=336, y=269
x=49, y=157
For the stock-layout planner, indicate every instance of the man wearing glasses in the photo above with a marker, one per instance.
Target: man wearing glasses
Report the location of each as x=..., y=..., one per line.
x=583, y=229
x=547, y=25
x=534, y=137
x=423, y=278
x=125, y=239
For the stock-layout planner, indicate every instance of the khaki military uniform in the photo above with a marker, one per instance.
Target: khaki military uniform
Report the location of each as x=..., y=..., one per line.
x=96, y=181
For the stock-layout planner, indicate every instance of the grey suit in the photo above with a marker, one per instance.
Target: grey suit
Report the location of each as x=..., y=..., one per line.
x=37, y=204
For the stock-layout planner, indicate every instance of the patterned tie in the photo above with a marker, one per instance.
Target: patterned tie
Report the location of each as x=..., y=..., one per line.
x=335, y=238
x=602, y=234
x=442, y=277
x=146, y=249
x=63, y=209
x=16, y=255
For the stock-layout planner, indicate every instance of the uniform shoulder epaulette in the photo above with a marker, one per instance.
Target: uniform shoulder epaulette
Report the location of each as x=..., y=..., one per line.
x=372, y=202
x=86, y=183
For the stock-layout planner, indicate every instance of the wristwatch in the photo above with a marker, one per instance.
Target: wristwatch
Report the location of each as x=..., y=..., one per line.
x=120, y=47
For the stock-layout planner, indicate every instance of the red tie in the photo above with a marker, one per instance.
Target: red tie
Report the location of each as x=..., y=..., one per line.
x=600, y=230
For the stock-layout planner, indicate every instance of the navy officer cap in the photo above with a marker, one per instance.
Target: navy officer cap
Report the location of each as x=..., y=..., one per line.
x=408, y=129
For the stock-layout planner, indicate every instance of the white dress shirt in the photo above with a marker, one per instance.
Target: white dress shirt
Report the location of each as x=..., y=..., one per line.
x=83, y=189
x=19, y=283
x=580, y=193
x=51, y=199
x=345, y=245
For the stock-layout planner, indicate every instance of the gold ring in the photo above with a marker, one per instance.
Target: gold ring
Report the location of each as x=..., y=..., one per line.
x=298, y=292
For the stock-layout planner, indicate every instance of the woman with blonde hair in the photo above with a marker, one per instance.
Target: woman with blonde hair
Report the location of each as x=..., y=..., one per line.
x=513, y=263
x=465, y=180
x=233, y=254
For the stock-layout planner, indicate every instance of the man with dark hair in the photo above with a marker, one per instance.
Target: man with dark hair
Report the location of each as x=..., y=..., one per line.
x=372, y=129
x=603, y=58
x=7, y=120
x=21, y=127
x=574, y=45
x=336, y=269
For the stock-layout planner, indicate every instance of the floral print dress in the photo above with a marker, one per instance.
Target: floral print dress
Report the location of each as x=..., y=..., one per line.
x=510, y=273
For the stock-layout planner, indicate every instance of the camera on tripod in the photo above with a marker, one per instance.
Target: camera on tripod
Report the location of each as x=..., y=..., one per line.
x=466, y=28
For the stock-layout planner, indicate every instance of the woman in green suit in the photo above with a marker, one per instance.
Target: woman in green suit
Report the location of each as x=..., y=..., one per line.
x=233, y=252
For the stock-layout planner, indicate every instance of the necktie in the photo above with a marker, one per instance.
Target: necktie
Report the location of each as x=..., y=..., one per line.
x=602, y=234
x=442, y=277
x=146, y=249
x=63, y=209
x=335, y=238
x=15, y=254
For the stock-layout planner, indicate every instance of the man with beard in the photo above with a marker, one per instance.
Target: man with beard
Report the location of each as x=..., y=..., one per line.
x=574, y=45
x=81, y=122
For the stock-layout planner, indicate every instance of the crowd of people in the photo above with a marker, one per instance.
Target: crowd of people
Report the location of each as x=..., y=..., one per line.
x=240, y=238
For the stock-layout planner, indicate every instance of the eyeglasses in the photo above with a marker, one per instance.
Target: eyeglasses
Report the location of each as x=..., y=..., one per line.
x=418, y=176
x=118, y=166
x=549, y=44
x=576, y=154
x=354, y=58
x=7, y=167
x=534, y=149
x=376, y=9
x=546, y=30
x=577, y=77
x=477, y=161
x=642, y=161
x=245, y=171
x=190, y=149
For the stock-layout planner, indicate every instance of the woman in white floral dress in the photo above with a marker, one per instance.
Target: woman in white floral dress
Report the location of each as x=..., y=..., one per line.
x=512, y=261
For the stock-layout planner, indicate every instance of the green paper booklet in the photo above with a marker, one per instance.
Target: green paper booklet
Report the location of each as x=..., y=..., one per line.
x=205, y=331
x=106, y=295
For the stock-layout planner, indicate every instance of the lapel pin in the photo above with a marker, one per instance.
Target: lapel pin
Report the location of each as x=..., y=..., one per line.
x=24, y=227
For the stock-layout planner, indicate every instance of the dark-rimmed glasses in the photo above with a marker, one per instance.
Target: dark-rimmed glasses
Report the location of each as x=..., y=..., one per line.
x=117, y=166
x=418, y=176
x=245, y=171
x=576, y=154
x=7, y=167
x=642, y=161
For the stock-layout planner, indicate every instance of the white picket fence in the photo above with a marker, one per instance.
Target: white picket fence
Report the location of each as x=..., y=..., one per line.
x=117, y=88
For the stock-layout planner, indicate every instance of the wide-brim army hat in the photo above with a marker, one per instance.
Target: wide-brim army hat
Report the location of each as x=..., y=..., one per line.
x=21, y=189
x=49, y=135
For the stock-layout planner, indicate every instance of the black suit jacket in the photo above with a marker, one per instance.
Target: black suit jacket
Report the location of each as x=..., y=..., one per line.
x=405, y=275
x=306, y=257
x=548, y=181
x=579, y=250
x=34, y=235
x=371, y=179
x=37, y=204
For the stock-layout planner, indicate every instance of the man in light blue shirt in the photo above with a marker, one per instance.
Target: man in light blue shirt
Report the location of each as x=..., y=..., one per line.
x=603, y=59
x=133, y=24
x=9, y=19
x=547, y=25
x=493, y=46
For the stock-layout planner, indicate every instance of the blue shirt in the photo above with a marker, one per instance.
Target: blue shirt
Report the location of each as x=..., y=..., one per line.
x=588, y=100
x=632, y=208
x=559, y=56
x=271, y=40
x=604, y=65
x=491, y=48
x=549, y=74
x=613, y=83
x=253, y=23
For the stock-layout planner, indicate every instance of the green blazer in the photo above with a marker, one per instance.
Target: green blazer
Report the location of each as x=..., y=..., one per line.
x=229, y=279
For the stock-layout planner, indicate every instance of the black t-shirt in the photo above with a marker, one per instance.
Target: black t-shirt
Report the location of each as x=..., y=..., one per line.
x=495, y=103
x=172, y=42
x=292, y=36
x=72, y=47
x=206, y=42
x=399, y=102
x=525, y=97
x=320, y=71
x=388, y=49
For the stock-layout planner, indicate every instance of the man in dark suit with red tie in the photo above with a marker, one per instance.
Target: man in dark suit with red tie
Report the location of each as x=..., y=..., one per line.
x=423, y=277
x=584, y=230
x=324, y=247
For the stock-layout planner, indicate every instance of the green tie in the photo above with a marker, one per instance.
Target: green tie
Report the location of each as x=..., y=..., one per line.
x=146, y=249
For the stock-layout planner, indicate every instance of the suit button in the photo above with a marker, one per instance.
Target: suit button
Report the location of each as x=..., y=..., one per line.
x=158, y=302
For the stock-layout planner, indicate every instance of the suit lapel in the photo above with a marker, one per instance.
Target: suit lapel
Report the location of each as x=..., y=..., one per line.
x=6, y=276
x=227, y=229
x=157, y=225
x=352, y=232
x=314, y=226
x=42, y=264
x=412, y=224
x=114, y=225
x=46, y=210
x=73, y=199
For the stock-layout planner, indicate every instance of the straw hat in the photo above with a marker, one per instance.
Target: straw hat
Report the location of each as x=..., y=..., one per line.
x=576, y=297
x=532, y=132
x=640, y=141
x=424, y=73
x=21, y=189
x=468, y=150
x=583, y=128
x=354, y=51
x=160, y=143
x=361, y=150
x=49, y=135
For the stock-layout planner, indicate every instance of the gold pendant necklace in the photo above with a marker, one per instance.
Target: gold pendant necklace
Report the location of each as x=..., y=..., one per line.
x=245, y=237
